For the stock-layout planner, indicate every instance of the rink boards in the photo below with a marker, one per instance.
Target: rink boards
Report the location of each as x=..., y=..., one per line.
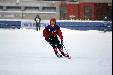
x=70, y=24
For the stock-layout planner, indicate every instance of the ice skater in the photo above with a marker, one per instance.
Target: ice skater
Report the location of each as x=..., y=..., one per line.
x=51, y=33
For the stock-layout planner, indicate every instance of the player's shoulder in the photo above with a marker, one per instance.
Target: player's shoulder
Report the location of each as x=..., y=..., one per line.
x=57, y=26
x=47, y=27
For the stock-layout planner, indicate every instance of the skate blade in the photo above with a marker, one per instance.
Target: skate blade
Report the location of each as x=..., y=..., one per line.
x=69, y=57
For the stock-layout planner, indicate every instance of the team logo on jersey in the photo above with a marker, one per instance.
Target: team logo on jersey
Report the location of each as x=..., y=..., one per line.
x=52, y=30
x=49, y=29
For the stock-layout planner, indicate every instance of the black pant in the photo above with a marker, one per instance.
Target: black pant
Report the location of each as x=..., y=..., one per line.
x=37, y=26
x=55, y=43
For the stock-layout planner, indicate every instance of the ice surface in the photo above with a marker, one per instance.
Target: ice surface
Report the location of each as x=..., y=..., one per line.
x=25, y=52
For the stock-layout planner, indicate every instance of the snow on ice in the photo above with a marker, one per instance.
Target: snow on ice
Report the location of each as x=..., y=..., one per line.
x=25, y=52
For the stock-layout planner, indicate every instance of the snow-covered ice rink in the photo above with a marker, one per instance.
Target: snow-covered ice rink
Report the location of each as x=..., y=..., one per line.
x=25, y=52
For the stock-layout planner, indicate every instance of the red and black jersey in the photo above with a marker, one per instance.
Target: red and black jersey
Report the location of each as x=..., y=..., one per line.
x=51, y=32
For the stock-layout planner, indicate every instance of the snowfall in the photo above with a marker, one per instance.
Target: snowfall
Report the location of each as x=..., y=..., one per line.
x=25, y=52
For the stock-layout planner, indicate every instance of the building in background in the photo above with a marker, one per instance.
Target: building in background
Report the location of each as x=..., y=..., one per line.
x=86, y=9
x=28, y=9
x=60, y=9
